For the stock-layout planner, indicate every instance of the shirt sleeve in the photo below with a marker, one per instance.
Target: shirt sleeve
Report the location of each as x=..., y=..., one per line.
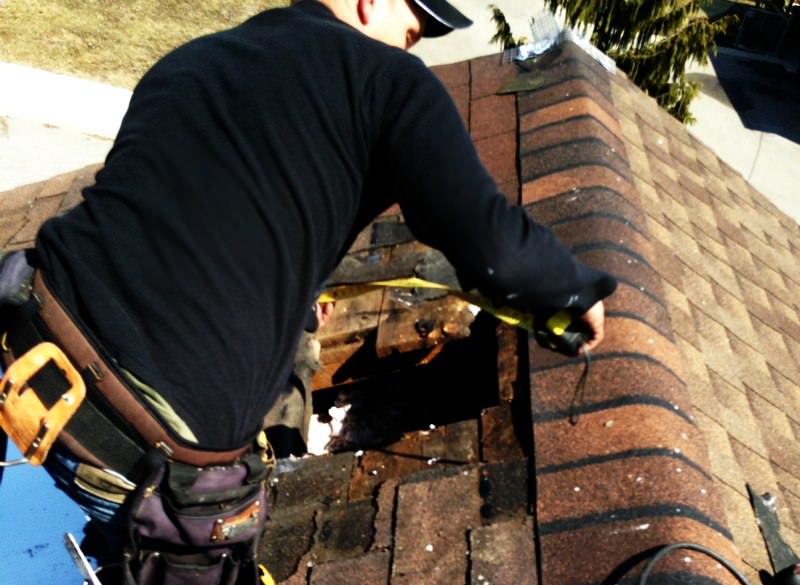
x=451, y=202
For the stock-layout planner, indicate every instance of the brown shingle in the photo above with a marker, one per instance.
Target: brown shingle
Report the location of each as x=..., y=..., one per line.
x=632, y=301
x=25, y=208
x=10, y=224
x=722, y=277
x=40, y=209
x=385, y=502
x=570, y=154
x=615, y=231
x=568, y=131
x=564, y=90
x=611, y=544
x=83, y=178
x=433, y=521
x=506, y=489
x=487, y=75
x=453, y=75
x=628, y=334
x=636, y=378
x=571, y=180
x=372, y=568
x=710, y=161
x=587, y=201
x=510, y=189
x=310, y=477
x=492, y=547
x=499, y=155
x=626, y=265
x=19, y=198
x=614, y=380
x=622, y=428
x=566, y=110
x=286, y=541
x=632, y=486
x=493, y=115
x=343, y=531
x=460, y=95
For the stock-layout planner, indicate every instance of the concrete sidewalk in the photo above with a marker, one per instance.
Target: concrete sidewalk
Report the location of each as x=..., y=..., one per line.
x=748, y=115
x=51, y=123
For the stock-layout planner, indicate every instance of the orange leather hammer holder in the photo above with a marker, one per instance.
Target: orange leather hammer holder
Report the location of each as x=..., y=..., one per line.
x=32, y=426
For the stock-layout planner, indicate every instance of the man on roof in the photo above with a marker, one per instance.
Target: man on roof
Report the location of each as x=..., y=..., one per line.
x=245, y=166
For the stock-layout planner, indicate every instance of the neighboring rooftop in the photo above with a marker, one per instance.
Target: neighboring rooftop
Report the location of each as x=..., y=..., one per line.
x=486, y=479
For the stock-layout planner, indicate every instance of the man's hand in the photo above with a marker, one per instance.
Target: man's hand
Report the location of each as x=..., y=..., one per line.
x=595, y=320
x=324, y=313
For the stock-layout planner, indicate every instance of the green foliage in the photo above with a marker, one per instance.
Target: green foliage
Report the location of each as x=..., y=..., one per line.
x=656, y=63
x=651, y=41
x=503, y=34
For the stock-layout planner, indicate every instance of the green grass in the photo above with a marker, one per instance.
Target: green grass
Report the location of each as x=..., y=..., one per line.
x=114, y=41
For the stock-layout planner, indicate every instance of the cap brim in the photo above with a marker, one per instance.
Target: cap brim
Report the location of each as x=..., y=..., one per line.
x=443, y=17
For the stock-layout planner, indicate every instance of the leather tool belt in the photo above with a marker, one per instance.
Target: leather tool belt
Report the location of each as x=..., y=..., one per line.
x=112, y=428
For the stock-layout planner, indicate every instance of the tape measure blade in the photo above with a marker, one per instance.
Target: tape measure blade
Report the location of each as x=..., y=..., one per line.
x=505, y=314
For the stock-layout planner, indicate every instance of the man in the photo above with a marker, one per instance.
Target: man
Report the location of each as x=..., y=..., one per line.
x=246, y=164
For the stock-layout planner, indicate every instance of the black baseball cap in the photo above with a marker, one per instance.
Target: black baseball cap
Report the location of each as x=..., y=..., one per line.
x=442, y=17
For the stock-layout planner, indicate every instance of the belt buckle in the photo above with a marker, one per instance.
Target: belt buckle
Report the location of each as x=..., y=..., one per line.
x=23, y=416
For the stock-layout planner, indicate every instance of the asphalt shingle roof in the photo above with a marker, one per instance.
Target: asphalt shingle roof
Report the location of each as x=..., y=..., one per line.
x=694, y=394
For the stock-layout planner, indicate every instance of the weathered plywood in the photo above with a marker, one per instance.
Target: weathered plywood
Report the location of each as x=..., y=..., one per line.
x=410, y=324
x=415, y=319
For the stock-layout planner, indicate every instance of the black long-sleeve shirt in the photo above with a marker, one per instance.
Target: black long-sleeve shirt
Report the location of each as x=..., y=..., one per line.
x=246, y=164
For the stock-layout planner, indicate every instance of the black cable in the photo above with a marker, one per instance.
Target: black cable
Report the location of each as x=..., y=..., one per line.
x=580, y=389
x=691, y=546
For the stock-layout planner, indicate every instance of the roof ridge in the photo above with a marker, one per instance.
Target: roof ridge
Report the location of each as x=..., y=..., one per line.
x=674, y=509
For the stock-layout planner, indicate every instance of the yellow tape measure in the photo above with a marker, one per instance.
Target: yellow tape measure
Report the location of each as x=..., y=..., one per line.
x=505, y=314
x=264, y=577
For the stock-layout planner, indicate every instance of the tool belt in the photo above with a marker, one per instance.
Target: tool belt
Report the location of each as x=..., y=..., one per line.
x=111, y=428
x=196, y=526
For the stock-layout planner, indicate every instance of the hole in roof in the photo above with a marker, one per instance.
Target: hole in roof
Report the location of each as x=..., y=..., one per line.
x=395, y=395
x=411, y=360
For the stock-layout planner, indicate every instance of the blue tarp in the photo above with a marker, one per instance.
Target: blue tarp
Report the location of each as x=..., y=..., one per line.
x=34, y=516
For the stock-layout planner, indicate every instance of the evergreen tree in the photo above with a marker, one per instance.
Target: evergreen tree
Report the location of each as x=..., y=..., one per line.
x=651, y=41
x=504, y=35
